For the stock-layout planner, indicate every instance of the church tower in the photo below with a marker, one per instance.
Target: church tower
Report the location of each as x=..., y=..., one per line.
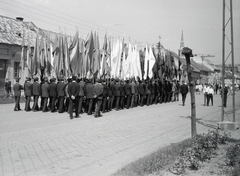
x=181, y=46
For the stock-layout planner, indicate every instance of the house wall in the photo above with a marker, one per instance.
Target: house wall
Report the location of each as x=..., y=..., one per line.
x=9, y=54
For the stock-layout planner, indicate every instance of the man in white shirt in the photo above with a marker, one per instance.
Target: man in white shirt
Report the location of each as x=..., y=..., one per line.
x=205, y=91
x=210, y=94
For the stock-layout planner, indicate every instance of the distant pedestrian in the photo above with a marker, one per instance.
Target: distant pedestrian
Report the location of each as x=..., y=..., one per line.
x=8, y=87
x=36, y=90
x=205, y=94
x=17, y=87
x=45, y=94
x=52, y=87
x=225, y=95
x=97, y=94
x=210, y=95
x=184, y=91
x=73, y=91
x=61, y=95
x=28, y=93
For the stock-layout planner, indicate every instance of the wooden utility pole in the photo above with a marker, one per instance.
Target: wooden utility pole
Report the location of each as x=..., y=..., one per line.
x=187, y=52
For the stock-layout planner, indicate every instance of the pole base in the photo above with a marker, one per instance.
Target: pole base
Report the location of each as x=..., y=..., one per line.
x=227, y=125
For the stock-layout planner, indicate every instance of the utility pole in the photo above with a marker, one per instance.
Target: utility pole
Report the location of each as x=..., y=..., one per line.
x=187, y=52
x=233, y=124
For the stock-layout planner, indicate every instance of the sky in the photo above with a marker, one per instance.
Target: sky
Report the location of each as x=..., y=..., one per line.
x=139, y=21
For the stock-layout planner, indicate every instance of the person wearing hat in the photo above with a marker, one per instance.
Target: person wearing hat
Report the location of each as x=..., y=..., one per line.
x=97, y=94
x=128, y=93
x=45, y=94
x=110, y=94
x=184, y=91
x=61, y=95
x=117, y=93
x=148, y=92
x=225, y=95
x=66, y=105
x=52, y=94
x=28, y=93
x=36, y=93
x=133, y=93
x=17, y=87
x=122, y=94
x=177, y=90
x=105, y=96
x=89, y=96
x=82, y=94
x=73, y=91
x=142, y=92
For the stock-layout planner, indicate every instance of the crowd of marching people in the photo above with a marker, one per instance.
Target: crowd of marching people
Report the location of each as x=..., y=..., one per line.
x=92, y=96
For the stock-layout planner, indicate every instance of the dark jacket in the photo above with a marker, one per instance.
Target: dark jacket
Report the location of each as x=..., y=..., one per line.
x=28, y=89
x=36, y=88
x=122, y=90
x=110, y=90
x=97, y=90
x=45, y=90
x=184, y=89
x=82, y=90
x=73, y=89
x=105, y=90
x=127, y=89
x=117, y=90
x=17, y=89
x=52, y=90
x=89, y=90
x=142, y=89
x=61, y=89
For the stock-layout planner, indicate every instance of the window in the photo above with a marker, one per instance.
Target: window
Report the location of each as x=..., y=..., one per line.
x=16, y=69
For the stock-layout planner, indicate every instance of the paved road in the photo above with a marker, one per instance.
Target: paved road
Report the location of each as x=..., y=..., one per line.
x=39, y=144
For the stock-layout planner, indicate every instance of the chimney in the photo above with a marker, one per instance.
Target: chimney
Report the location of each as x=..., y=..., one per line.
x=19, y=18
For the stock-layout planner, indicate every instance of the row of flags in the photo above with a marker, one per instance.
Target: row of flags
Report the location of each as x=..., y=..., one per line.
x=85, y=58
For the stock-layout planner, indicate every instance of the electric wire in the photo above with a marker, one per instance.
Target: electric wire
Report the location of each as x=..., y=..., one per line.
x=85, y=26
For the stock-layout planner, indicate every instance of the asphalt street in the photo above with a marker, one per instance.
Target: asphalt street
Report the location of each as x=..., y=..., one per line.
x=50, y=144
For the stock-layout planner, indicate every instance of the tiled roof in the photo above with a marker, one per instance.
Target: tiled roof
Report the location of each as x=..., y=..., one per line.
x=13, y=30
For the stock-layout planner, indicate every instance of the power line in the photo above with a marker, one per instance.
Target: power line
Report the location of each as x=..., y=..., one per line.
x=84, y=27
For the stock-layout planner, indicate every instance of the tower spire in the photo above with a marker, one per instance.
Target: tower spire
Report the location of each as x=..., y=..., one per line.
x=181, y=46
x=182, y=41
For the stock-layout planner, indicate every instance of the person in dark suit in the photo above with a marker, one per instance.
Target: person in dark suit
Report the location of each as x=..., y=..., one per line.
x=128, y=93
x=177, y=91
x=156, y=91
x=52, y=94
x=36, y=93
x=28, y=93
x=133, y=92
x=148, y=92
x=184, y=91
x=45, y=94
x=117, y=93
x=82, y=94
x=104, y=96
x=61, y=95
x=66, y=106
x=97, y=94
x=142, y=92
x=73, y=91
x=110, y=94
x=89, y=96
x=225, y=92
x=122, y=94
x=17, y=94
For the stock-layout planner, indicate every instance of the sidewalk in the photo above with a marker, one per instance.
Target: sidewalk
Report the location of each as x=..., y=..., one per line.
x=36, y=143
